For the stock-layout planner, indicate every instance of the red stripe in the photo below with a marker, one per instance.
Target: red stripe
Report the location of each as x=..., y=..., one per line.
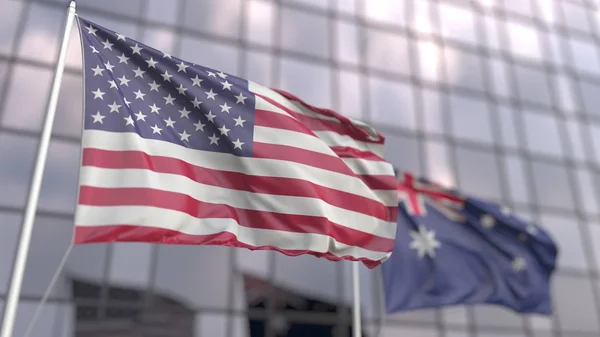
x=354, y=131
x=96, y=196
x=343, y=127
x=127, y=233
x=239, y=181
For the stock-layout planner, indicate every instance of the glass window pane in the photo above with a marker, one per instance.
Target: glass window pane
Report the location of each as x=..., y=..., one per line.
x=387, y=52
x=565, y=93
x=87, y=261
x=457, y=23
x=552, y=185
x=577, y=151
x=471, y=119
x=499, y=77
x=438, y=164
x=17, y=153
x=571, y=292
x=585, y=56
x=346, y=6
x=524, y=41
x=304, y=32
x=311, y=3
x=547, y=10
x=259, y=25
x=49, y=242
x=10, y=225
x=491, y=32
x=575, y=17
x=217, y=18
x=258, y=67
x=488, y=315
x=130, y=264
x=310, y=82
x=518, y=189
x=387, y=11
x=420, y=315
x=222, y=57
x=532, y=85
x=27, y=114
x=307, y=275
x=9, y=18
x=478, y=173
x=463, y=69
x=181, y=269
x=522, y=7
x=346, y=42
x=594, y=231
x=432, y=111
x=350, y=94
x=42, y=27
x=587, y=193
x=455, y=315
x=3, y=76
x=508, y=131
x=59, y=188
x=48, y=323
x=566, y=233
x=397, y=330
x=211, y=325
x=591, y=99
x=161, y=39
x=429, y=60
x=162, y=11
x=403, y=152
x=557, y=45
x=70, y=103
x=384, y=94
x=594, y=130
x=132, y=7
x=542, y=134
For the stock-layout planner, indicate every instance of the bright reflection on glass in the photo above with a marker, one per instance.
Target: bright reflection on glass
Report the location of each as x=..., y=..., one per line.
x=524, y=40
x=457, y=23
x=388, y=11
x=429, y=60
x=259, y=27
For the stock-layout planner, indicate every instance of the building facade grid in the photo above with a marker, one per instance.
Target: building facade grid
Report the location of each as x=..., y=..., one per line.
x=459, y=97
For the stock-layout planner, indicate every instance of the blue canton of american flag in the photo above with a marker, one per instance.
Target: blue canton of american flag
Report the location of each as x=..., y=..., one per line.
x=453, y=249
x=137, y=88
x=175, y=152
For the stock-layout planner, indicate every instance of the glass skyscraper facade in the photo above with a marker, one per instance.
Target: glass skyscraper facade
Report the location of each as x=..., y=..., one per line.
x=499, y=98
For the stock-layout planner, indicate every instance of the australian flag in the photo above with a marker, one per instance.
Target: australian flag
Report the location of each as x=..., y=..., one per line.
x=452, y=249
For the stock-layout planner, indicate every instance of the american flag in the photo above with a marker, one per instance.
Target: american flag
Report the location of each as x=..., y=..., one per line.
x=178, y=153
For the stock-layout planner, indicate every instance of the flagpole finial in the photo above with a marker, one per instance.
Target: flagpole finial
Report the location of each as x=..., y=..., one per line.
x=72, y=6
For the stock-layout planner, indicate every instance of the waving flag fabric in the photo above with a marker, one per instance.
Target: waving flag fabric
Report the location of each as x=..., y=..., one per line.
x=453, y=249
x=178, y=153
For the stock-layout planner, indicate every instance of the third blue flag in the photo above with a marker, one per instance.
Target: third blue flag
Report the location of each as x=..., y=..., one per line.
x=452, y=249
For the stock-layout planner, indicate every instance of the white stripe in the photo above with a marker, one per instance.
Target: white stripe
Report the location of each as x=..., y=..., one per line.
x=140, y=178
x=331, y=138
x=335, y=139
x=369, y=167
x=277, y=97
x=300, y=140
x=115, y=141
x=184, y=223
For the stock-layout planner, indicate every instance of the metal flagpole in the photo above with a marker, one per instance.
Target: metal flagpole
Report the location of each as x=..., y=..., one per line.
x=14, y=291
x=356, y=323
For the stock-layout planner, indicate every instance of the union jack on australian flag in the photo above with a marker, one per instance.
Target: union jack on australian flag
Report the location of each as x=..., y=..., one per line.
x=453, y=249
x=178, y=153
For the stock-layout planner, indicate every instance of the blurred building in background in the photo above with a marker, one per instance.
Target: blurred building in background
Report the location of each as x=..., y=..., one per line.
x=499, y=98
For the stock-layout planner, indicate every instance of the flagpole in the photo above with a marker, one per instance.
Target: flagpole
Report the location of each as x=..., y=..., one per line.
x=356, y=322
x=14, y=291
